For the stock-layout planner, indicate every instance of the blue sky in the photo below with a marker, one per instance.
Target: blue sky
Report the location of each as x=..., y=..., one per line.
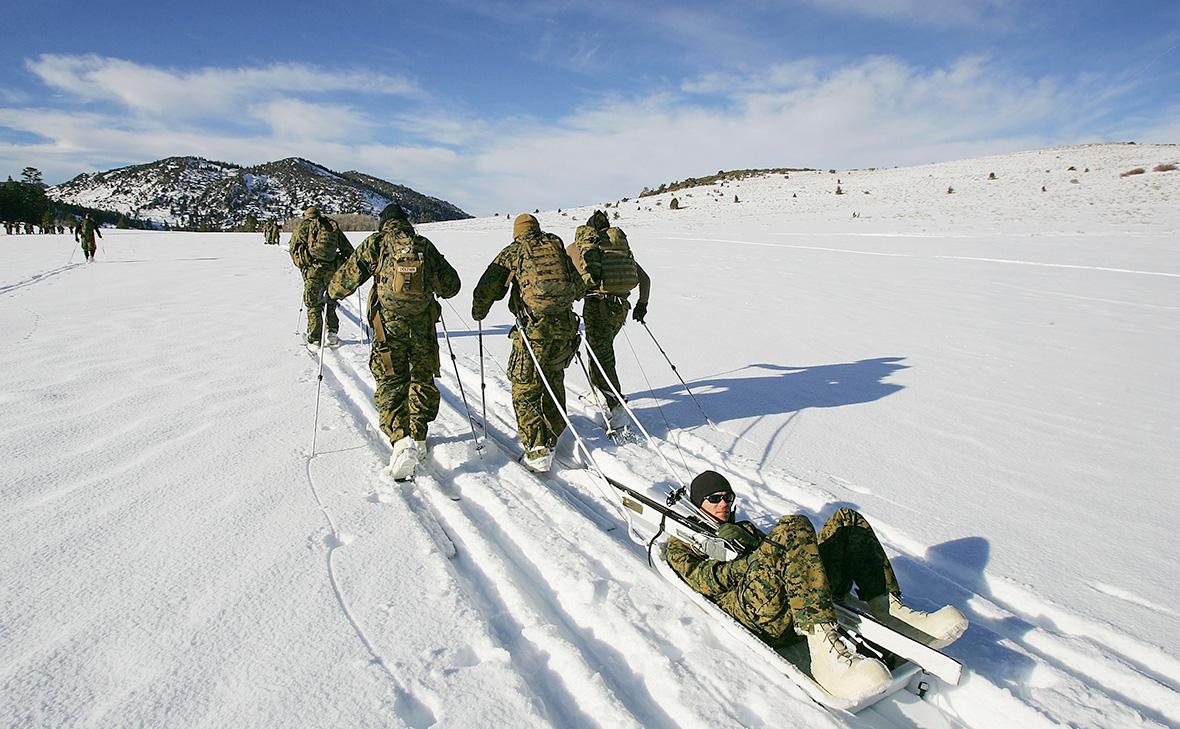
x=507, y=106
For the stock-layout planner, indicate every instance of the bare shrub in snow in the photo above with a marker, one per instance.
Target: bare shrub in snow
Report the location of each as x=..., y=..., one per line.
x=1136, y=171
x=1164, y=168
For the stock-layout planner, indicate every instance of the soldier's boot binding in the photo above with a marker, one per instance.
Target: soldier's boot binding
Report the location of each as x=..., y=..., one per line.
x=944, y=625
x=405, y=458
x=538, y=460
x=313, y=347
x=839, y=669
x=333, y=339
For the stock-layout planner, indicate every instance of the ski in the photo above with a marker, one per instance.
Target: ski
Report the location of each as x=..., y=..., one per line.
x=903, y=641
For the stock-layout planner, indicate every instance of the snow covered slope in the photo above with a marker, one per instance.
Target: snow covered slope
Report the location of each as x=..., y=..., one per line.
x=987, y=375
x=200, y=194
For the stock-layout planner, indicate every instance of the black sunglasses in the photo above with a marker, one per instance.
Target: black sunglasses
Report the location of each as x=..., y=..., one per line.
x=718, y=498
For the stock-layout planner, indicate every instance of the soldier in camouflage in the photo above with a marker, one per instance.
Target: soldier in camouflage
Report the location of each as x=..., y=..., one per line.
x=85, y=232
x=317, y=249
x=270, y=232
x=409, y=273
x=783, y=583
x=603, y=313
x=544, y=284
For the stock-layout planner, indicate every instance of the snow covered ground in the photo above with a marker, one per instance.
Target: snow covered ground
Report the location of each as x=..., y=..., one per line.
x=988, y=375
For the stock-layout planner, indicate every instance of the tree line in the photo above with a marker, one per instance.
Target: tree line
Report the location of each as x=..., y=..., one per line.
x=25, y=208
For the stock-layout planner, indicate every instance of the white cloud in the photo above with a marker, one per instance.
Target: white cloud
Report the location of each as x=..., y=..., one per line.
x=878, y=112
x=929, y=12
x=298, y=120
x=204, y=92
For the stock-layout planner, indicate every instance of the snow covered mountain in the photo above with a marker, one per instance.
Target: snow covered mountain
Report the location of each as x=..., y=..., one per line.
x=988, y=375
x=198, y=193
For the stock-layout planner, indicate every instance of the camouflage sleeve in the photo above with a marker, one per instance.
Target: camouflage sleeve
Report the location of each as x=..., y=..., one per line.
x=493, y=284
x=709, y=577
x=644, y=284
x=357, y=269
x=444, y=277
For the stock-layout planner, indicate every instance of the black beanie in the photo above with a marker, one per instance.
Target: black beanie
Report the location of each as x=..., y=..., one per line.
x=392, y=211
x=708, y=482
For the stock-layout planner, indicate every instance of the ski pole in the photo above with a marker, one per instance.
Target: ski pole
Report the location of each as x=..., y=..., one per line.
x=299, y=322
x=610, y=431
x=462, y=392
x=686, y=387
x=483, y=386
x=623, y=401
x=315, y=426
x=520, y=329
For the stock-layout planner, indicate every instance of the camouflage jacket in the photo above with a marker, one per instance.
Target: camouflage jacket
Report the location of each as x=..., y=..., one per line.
x=710, y=577
x=87, y=230
x=505, y=267
x=362, y=264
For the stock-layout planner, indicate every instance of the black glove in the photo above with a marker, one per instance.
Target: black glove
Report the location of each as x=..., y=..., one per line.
x=734, y=533
x=639, y=312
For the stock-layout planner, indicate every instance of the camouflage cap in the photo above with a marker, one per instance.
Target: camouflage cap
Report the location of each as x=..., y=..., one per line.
x=616, y=235
x=524, y=223
x=311, y=212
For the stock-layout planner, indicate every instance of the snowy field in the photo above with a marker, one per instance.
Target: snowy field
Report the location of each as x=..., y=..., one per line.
x=988, y=375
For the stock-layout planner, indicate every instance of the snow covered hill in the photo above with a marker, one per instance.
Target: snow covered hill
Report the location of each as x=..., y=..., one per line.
x=987, y=375
x=198, y=193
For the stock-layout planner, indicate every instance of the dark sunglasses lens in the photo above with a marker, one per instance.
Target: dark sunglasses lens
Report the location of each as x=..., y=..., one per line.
x=718, y=498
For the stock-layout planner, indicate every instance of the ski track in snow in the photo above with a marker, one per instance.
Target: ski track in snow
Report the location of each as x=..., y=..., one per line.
x=141, y=591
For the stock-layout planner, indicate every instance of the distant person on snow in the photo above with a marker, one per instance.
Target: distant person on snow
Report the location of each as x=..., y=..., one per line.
x=782, y=585
x=270, y=232
x=317, y=249
x=544, y=285
x=409, y=273
x=85, y=232
x=609, y=271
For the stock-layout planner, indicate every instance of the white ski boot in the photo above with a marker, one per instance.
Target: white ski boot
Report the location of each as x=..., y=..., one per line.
x=538, y=460
x=944, y=625
x=333, y=340
x=313, y=347
x=840, y=670
x=407, y=454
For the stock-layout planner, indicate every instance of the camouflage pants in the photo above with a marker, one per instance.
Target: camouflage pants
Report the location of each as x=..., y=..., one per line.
x=88, y=246
x=554, y=339
x=404, y=365
x=604, y=318
x=315, y=283
x=791, y=583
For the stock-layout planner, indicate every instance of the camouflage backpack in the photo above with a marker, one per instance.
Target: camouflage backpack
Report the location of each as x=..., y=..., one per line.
x=402, y=282
x=617, y=274
x=321, y=239
x=542, y=276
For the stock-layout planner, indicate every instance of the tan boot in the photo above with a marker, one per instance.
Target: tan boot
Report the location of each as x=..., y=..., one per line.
x=841, y=671
x=944, y=625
